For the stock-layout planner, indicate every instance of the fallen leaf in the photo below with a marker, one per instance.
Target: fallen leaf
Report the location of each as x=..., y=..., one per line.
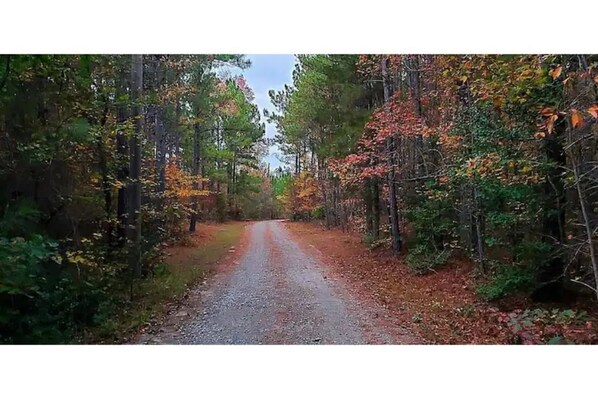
x=547, y=111
x=593, y=110
x=556, y=72
x=576, y=118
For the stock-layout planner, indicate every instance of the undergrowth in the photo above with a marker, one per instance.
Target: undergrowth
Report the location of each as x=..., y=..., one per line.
x=171, y=280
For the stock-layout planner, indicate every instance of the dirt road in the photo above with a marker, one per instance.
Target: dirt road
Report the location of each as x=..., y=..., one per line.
x=279, y=293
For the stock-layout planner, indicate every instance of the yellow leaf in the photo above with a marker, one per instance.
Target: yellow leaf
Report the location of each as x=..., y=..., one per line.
x=576, y=118
x=556, y=72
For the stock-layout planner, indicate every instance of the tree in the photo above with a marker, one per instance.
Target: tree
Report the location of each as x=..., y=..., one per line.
x=134, y=187
x=390, y=150
x=490, y=156
x=98, y=176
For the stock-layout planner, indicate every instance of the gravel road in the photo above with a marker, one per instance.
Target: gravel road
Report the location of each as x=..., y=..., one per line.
x=280, y=294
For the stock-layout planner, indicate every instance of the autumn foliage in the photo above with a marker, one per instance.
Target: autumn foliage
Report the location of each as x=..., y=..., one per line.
x=490, y=158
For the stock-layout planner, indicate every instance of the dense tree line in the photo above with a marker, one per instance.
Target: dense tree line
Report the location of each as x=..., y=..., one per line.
x=490, y=157
x=104, y=160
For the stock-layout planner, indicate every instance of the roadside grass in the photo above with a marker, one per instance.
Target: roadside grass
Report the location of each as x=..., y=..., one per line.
x=183, y=267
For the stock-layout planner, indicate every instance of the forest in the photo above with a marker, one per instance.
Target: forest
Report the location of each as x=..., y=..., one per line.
x=104, y=161
x=107, y=160
x=488, y=157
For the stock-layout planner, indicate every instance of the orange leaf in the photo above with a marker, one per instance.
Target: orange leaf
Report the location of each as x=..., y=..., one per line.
x=540, y=135
x=593, y=110
x=556, y=72
x=547, y=111
x=576, y=118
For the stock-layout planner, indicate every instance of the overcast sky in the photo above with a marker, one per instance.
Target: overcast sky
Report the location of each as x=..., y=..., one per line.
x=269, y=72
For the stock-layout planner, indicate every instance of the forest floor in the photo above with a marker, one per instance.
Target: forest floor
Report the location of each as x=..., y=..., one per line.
x=441, y=307
x=275, y=291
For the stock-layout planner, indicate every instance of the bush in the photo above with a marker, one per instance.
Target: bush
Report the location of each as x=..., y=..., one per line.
x=317, y=213
x=423, y=259
x=432, y=219
x=48, y=292
x=372, y=242
x=507, y=280
x=44, y=299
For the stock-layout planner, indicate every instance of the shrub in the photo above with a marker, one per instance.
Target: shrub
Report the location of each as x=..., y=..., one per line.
x=423, y=259
x=49, y=293
x=432, y=219
x=317, y=213
x=507, y=280
x=44, y=299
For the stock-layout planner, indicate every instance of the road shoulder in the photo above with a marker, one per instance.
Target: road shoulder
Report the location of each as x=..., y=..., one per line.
x=380, y=323
x=220, y=255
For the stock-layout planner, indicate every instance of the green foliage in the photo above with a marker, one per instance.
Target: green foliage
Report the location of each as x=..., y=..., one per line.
x=423, y=259
x=44, y=299
x=557, y=340
x=507, y=280
x=317, y=213
x=65, y=125
x=433, y=218
x=435, y=230
x=369, y=240
x=322, y=107
x=496, y=183
x=536, y=326
x=558, y=316
x=20, y=219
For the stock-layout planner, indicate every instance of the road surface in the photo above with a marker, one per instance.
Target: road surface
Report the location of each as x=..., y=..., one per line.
x=279, y=293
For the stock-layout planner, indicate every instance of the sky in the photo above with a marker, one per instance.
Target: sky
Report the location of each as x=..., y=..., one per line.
x=269, y=72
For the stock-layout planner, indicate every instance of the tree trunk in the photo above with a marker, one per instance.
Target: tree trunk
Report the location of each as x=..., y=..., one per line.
x=160, y=131
x=478, y=218
x=160, y=149
x=390, y=148
x=196, y=162
x=106, y=187
x=135, y=167
x=588, y=227
x=376, y=208
x=177, y=134
x=415, y=94
x=122, y=151
x=368, y=200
